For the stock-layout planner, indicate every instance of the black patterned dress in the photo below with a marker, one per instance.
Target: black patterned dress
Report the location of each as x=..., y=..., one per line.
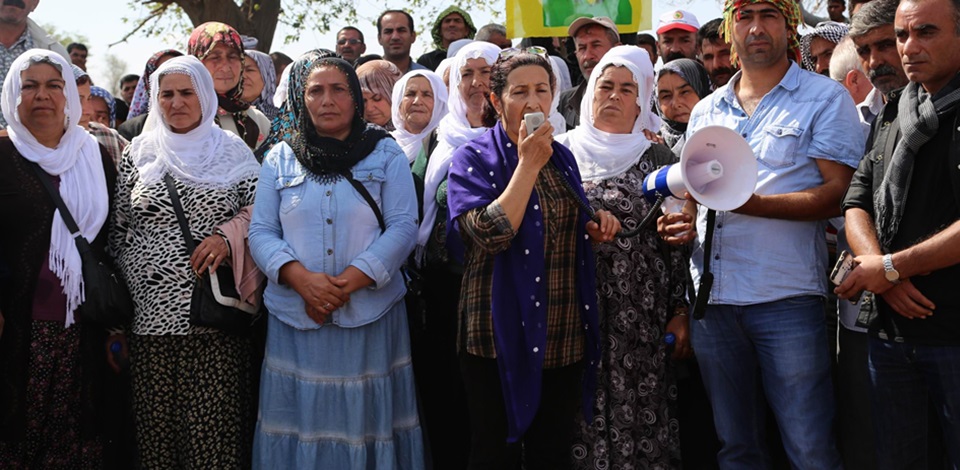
x=640, y=282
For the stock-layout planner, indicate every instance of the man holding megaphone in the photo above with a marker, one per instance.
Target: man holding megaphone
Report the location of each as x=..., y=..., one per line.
x=762, y=328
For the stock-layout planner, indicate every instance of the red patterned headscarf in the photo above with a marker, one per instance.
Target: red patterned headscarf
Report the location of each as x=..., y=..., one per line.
x=203, y=40
x=790, y=10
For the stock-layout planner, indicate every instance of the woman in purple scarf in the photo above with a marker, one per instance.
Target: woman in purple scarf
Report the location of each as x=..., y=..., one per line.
x=528, y=317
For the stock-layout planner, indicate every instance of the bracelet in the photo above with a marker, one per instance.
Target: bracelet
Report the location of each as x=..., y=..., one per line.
x=225, y=240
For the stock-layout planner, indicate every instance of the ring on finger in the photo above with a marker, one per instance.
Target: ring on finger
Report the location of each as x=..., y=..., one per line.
x=210, y=255
x=327, y=306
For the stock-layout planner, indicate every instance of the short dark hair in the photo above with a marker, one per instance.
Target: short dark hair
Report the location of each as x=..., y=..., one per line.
x=280, y=61
x=842, y=2
x=380, y=20
x=351, y=28
x=498, y=80
x=76, y=45
x=366, y=58
x=710, y=31
x=129, y=78
x=646, y=39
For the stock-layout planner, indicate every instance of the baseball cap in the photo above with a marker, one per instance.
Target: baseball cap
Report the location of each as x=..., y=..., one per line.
x=678, y=19
x=584, y=21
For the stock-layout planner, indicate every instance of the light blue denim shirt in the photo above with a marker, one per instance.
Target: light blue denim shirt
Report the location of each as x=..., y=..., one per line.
x=804, y=118
x=328, y=227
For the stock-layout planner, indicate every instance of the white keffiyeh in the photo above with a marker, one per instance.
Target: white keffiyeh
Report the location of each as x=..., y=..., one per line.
x=76, y=160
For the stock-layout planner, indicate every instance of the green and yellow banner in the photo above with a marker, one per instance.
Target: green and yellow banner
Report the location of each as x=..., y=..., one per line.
x=547, y=18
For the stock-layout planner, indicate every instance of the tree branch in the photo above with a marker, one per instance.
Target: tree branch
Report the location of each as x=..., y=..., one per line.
x=155, y=14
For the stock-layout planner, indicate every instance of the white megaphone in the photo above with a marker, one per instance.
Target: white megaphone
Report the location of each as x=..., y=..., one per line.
x=717, y=167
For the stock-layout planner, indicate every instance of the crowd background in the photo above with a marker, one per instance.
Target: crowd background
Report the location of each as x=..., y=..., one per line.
x=323, y=131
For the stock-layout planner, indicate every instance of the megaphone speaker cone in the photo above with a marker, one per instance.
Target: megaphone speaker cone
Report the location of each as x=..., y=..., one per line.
x=718, y=168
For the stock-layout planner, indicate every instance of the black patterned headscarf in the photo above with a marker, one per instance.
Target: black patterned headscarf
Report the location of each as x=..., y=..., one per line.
x=325, y=157
x=829, y=30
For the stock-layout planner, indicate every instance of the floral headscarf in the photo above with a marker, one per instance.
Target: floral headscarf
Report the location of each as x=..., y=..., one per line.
x=141, y=96
x=269, y=74
x=790, y=10
x=202, y=42
x=108, y=98
x=326, y=158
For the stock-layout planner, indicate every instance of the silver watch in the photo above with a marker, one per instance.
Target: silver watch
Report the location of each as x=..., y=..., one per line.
x=889, y=271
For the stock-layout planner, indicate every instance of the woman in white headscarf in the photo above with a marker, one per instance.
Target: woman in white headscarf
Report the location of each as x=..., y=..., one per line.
x=419, y=103
x=640, y=280
x=191, y=385
x=51, y=366
x=438, y=375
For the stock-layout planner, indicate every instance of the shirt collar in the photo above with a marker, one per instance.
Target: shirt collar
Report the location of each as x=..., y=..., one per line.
x=789, y=82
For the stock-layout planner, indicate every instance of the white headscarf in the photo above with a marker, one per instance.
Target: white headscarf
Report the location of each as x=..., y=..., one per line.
x=453, y=132
x=601, y=155
x=207, y=156
x=556, y=119
x=280, y=95
x=76, y=160
x=412, y=143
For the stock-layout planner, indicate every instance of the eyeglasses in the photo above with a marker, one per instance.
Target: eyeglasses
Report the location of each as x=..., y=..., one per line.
x=352, y=41
x=514, y=51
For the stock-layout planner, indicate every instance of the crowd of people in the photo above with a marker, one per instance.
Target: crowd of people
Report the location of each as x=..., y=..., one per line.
x=428, y=276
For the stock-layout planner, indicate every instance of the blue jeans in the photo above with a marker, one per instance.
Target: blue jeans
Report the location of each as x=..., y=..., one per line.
x=777, y=352
x=904, y=379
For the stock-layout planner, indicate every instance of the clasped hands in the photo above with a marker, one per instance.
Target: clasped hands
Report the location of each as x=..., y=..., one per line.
x=321, y=294
x=868, y=274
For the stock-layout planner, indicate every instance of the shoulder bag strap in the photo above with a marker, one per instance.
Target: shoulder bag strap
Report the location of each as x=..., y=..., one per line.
x=82, y=244
x=706, y=279
x=181, y=218
x=366, y=197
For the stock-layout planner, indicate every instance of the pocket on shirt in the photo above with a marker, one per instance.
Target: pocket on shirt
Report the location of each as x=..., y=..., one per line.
x=373, y=180
x=780, y=146
x=291, y=189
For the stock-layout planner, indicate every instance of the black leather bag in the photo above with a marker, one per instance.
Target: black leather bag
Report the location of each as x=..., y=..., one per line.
x=107, y=299
x=215, y=302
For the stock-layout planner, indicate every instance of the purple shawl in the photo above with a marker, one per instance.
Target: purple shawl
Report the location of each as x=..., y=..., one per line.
x=478, y=175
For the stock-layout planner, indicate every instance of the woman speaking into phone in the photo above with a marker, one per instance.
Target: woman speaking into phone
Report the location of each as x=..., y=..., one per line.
x=528, y=338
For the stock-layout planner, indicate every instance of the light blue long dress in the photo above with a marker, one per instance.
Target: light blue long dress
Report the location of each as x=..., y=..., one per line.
x=340, y=395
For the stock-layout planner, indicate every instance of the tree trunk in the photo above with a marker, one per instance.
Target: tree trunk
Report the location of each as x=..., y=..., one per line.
x=256, y=18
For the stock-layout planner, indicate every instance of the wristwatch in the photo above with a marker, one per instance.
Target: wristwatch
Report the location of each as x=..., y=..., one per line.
x=889, y=271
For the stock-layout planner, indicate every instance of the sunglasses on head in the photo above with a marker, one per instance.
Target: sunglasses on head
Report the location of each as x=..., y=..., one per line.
x=515, y=51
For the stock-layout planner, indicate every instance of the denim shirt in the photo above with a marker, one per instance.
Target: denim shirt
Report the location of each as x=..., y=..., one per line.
x=328, y=227
x=806, y=117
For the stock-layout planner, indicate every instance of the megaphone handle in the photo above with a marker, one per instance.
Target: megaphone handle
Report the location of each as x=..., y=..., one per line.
x=706, y=279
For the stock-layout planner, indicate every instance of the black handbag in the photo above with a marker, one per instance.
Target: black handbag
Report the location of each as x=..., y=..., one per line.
x=107, y=299
x=412, y=279
x=215, y=302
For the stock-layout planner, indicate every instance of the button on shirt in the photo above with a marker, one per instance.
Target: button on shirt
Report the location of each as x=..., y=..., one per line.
x=804, y=118
x=7, y=56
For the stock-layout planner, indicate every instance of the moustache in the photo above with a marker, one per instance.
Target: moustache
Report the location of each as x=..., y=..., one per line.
x=673, y=56
x=15, y=3
x=885, y=70
x=723, y=70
